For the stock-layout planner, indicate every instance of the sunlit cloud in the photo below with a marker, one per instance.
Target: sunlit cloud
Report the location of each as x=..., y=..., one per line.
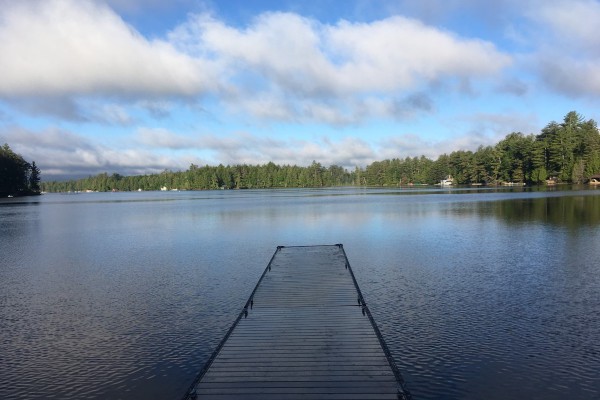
x=55, y=47
x=281, y=67
x=289, y=67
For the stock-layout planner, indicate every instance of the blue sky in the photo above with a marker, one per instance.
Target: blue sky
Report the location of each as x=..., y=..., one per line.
x=139, y=86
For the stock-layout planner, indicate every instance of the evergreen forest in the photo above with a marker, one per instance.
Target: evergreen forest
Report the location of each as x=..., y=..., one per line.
x=565, y=152
x=17, y=176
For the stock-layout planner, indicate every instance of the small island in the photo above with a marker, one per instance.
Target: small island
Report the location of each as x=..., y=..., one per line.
x=17, y=176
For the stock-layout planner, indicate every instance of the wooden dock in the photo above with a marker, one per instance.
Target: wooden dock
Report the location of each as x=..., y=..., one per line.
x=304, y=333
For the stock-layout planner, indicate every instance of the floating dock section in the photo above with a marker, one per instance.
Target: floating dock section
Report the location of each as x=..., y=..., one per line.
x=305, y=333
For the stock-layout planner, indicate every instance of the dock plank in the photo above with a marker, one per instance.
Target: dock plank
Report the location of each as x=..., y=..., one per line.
x=305, y=333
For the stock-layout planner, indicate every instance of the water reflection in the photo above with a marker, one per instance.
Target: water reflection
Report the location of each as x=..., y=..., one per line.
x=482, y=293
x=568, y=211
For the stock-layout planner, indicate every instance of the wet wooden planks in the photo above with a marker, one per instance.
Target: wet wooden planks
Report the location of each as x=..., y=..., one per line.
x=305, y=333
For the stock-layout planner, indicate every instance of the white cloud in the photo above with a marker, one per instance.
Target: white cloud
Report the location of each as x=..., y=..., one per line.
x=59, y=47
x=246, y=148
x=302, y=56
x=399, y=53
x=280, y=67
x=337, y=74
x=567, y=55
x=64, y=153
x=574, y=22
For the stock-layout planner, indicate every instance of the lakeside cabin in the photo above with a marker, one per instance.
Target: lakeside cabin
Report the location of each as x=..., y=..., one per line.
x=594, y=180
x=449, y=181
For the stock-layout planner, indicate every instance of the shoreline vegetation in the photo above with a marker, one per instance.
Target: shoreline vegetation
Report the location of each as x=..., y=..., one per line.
x=17, y=177
x=566, y=152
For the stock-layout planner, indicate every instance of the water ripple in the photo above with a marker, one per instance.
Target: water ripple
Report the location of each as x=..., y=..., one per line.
x=108, y=299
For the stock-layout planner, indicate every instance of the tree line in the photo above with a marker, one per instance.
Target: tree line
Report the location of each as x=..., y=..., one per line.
x=17, y=176
x=562, y=152
x=208, y=177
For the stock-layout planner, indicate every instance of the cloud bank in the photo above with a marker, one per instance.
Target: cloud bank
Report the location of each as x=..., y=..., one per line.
x=280, y=67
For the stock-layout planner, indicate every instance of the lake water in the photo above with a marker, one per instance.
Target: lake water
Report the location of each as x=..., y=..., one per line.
x=480, y=294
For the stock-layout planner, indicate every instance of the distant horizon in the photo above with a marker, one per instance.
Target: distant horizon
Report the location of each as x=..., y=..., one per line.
x=136, y=86
x=572, y=116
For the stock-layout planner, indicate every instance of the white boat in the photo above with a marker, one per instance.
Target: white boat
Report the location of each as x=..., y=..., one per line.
x=449, y=181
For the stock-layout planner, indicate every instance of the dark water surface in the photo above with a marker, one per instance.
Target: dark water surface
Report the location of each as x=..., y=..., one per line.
x=480, y=294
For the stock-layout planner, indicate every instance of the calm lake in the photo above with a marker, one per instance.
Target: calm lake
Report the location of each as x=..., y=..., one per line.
x=480, y=294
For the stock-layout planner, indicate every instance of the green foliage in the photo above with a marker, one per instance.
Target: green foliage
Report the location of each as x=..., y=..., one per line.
x=569, y=152
x=17, y=176
x=34, y=178
x=209, y=178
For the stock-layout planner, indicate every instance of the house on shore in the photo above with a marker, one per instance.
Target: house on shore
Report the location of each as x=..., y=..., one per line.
x=449, y=181
x=594, y=180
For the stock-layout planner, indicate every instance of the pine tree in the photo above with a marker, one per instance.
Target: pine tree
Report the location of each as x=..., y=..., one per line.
x=34, y=178
x=15, y=174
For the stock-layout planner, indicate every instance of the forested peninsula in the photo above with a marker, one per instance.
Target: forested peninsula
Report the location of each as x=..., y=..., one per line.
x=17, y=176
x=566, y=152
